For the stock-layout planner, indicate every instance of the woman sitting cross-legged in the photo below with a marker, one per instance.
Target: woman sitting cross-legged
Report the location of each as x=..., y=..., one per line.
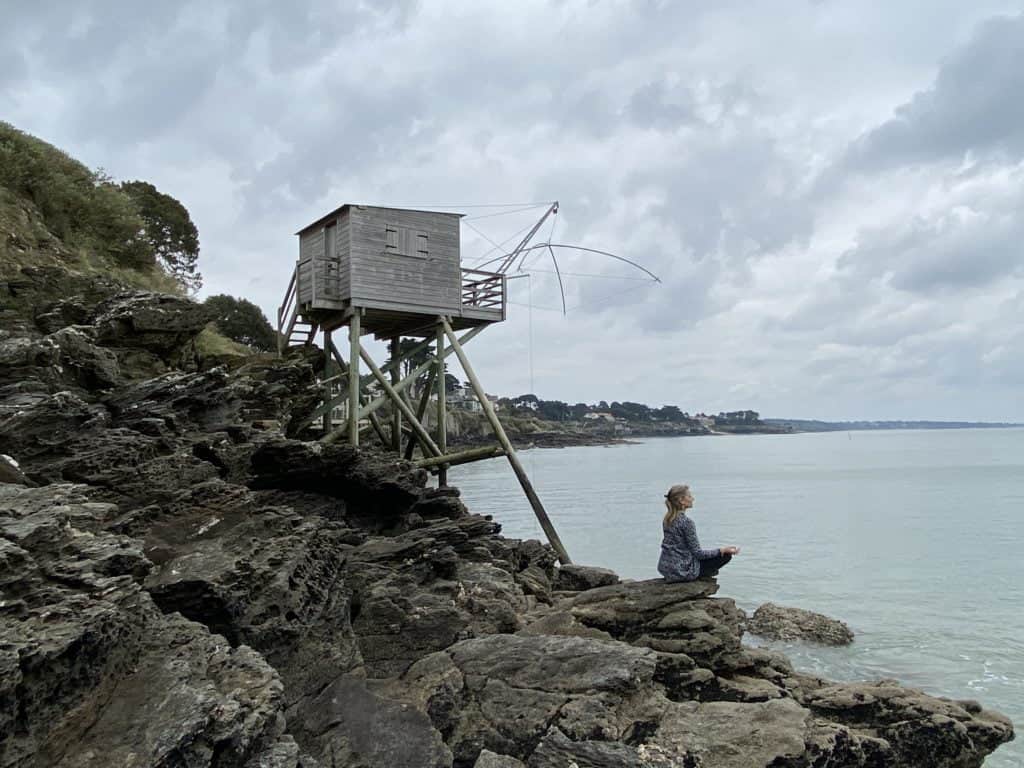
x=682, y=559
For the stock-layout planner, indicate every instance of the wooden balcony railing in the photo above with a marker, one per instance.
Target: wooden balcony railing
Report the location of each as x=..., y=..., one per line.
x=483, y=290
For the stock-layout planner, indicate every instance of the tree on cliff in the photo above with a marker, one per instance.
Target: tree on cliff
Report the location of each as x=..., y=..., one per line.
x=170, y=232
x=670, y=413
x=554, y=410
x=242, y=321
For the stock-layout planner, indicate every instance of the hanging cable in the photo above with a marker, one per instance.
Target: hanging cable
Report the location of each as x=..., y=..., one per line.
x=496, y=246
x=504, y=213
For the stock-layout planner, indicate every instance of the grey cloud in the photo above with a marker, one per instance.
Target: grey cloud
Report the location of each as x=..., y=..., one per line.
x=659, y=105
x=974, y=107
x=12, y=68
x=299, y=33
x=150, y=99
x=958, y=249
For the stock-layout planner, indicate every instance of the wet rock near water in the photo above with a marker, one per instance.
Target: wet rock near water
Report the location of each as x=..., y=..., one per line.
x=776, y=622
x=189, y=584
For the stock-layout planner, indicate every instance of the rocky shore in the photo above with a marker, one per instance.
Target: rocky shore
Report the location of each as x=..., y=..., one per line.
x=185, y=583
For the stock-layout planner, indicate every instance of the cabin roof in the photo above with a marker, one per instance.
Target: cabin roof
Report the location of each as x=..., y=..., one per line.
x=342, y=207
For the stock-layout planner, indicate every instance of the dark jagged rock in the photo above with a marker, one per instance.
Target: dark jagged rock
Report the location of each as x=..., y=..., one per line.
x=93, y=673
x=919, y=729
x=159, y=323
x=33, y=427
x=777, y=622
x=24, y=359
x=61, y=314
x=52, y=298
x=259, y=574
x=10, y=472
x=578, y=578
x=380, y=491
x=90, y=367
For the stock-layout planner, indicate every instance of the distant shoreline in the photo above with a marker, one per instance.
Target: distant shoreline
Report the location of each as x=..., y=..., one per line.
x=811, y=425
x=558, y=436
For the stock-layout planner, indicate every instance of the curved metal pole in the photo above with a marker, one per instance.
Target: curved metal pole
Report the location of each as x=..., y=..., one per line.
x=579, y=248
x=561, y=288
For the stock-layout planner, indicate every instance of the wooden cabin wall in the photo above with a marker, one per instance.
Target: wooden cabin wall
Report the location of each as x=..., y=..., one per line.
x=343, y=280
x=380, y=277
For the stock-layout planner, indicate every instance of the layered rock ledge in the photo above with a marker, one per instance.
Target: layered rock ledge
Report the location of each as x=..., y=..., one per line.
x=184, y=582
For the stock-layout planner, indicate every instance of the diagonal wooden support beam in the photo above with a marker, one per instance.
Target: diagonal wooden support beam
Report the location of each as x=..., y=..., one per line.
x=413, y=375
x=421, y=411
x=331, y=404
x=398, y=400
x=510, y=452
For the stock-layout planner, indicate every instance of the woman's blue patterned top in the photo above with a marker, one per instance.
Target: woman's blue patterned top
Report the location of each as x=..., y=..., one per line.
x=681, y=552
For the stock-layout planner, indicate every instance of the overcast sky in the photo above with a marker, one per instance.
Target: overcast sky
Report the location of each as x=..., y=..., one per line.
x=832, y=192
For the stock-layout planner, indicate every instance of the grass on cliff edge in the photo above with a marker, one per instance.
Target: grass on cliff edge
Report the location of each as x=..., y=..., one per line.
x=210, y=343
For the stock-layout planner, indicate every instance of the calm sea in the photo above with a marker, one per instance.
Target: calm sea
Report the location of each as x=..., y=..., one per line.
x=914, y=538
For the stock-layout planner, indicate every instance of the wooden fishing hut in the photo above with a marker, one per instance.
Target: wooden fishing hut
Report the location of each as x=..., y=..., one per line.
x=396, y=273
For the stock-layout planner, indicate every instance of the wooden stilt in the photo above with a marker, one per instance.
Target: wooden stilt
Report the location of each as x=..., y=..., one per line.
x=506, y=444
x=442, y=411
x=396, y=417
x=353, y=378
x=327, y=386
x=423, y=435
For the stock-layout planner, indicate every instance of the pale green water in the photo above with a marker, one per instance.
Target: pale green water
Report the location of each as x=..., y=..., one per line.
x=914, y=538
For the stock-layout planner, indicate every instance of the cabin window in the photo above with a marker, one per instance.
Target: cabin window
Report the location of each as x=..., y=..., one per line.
x=403, y=241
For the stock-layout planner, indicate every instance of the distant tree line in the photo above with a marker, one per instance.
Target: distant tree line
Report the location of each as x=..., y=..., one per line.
x=557, y=410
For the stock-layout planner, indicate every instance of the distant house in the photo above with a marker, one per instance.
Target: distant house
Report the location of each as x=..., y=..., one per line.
x=595, y=415
x=464, y=401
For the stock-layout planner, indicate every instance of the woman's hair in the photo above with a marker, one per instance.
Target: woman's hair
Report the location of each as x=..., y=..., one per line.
x=674, y=503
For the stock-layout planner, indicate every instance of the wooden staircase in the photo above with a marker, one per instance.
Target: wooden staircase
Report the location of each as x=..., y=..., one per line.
x=293, y=329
